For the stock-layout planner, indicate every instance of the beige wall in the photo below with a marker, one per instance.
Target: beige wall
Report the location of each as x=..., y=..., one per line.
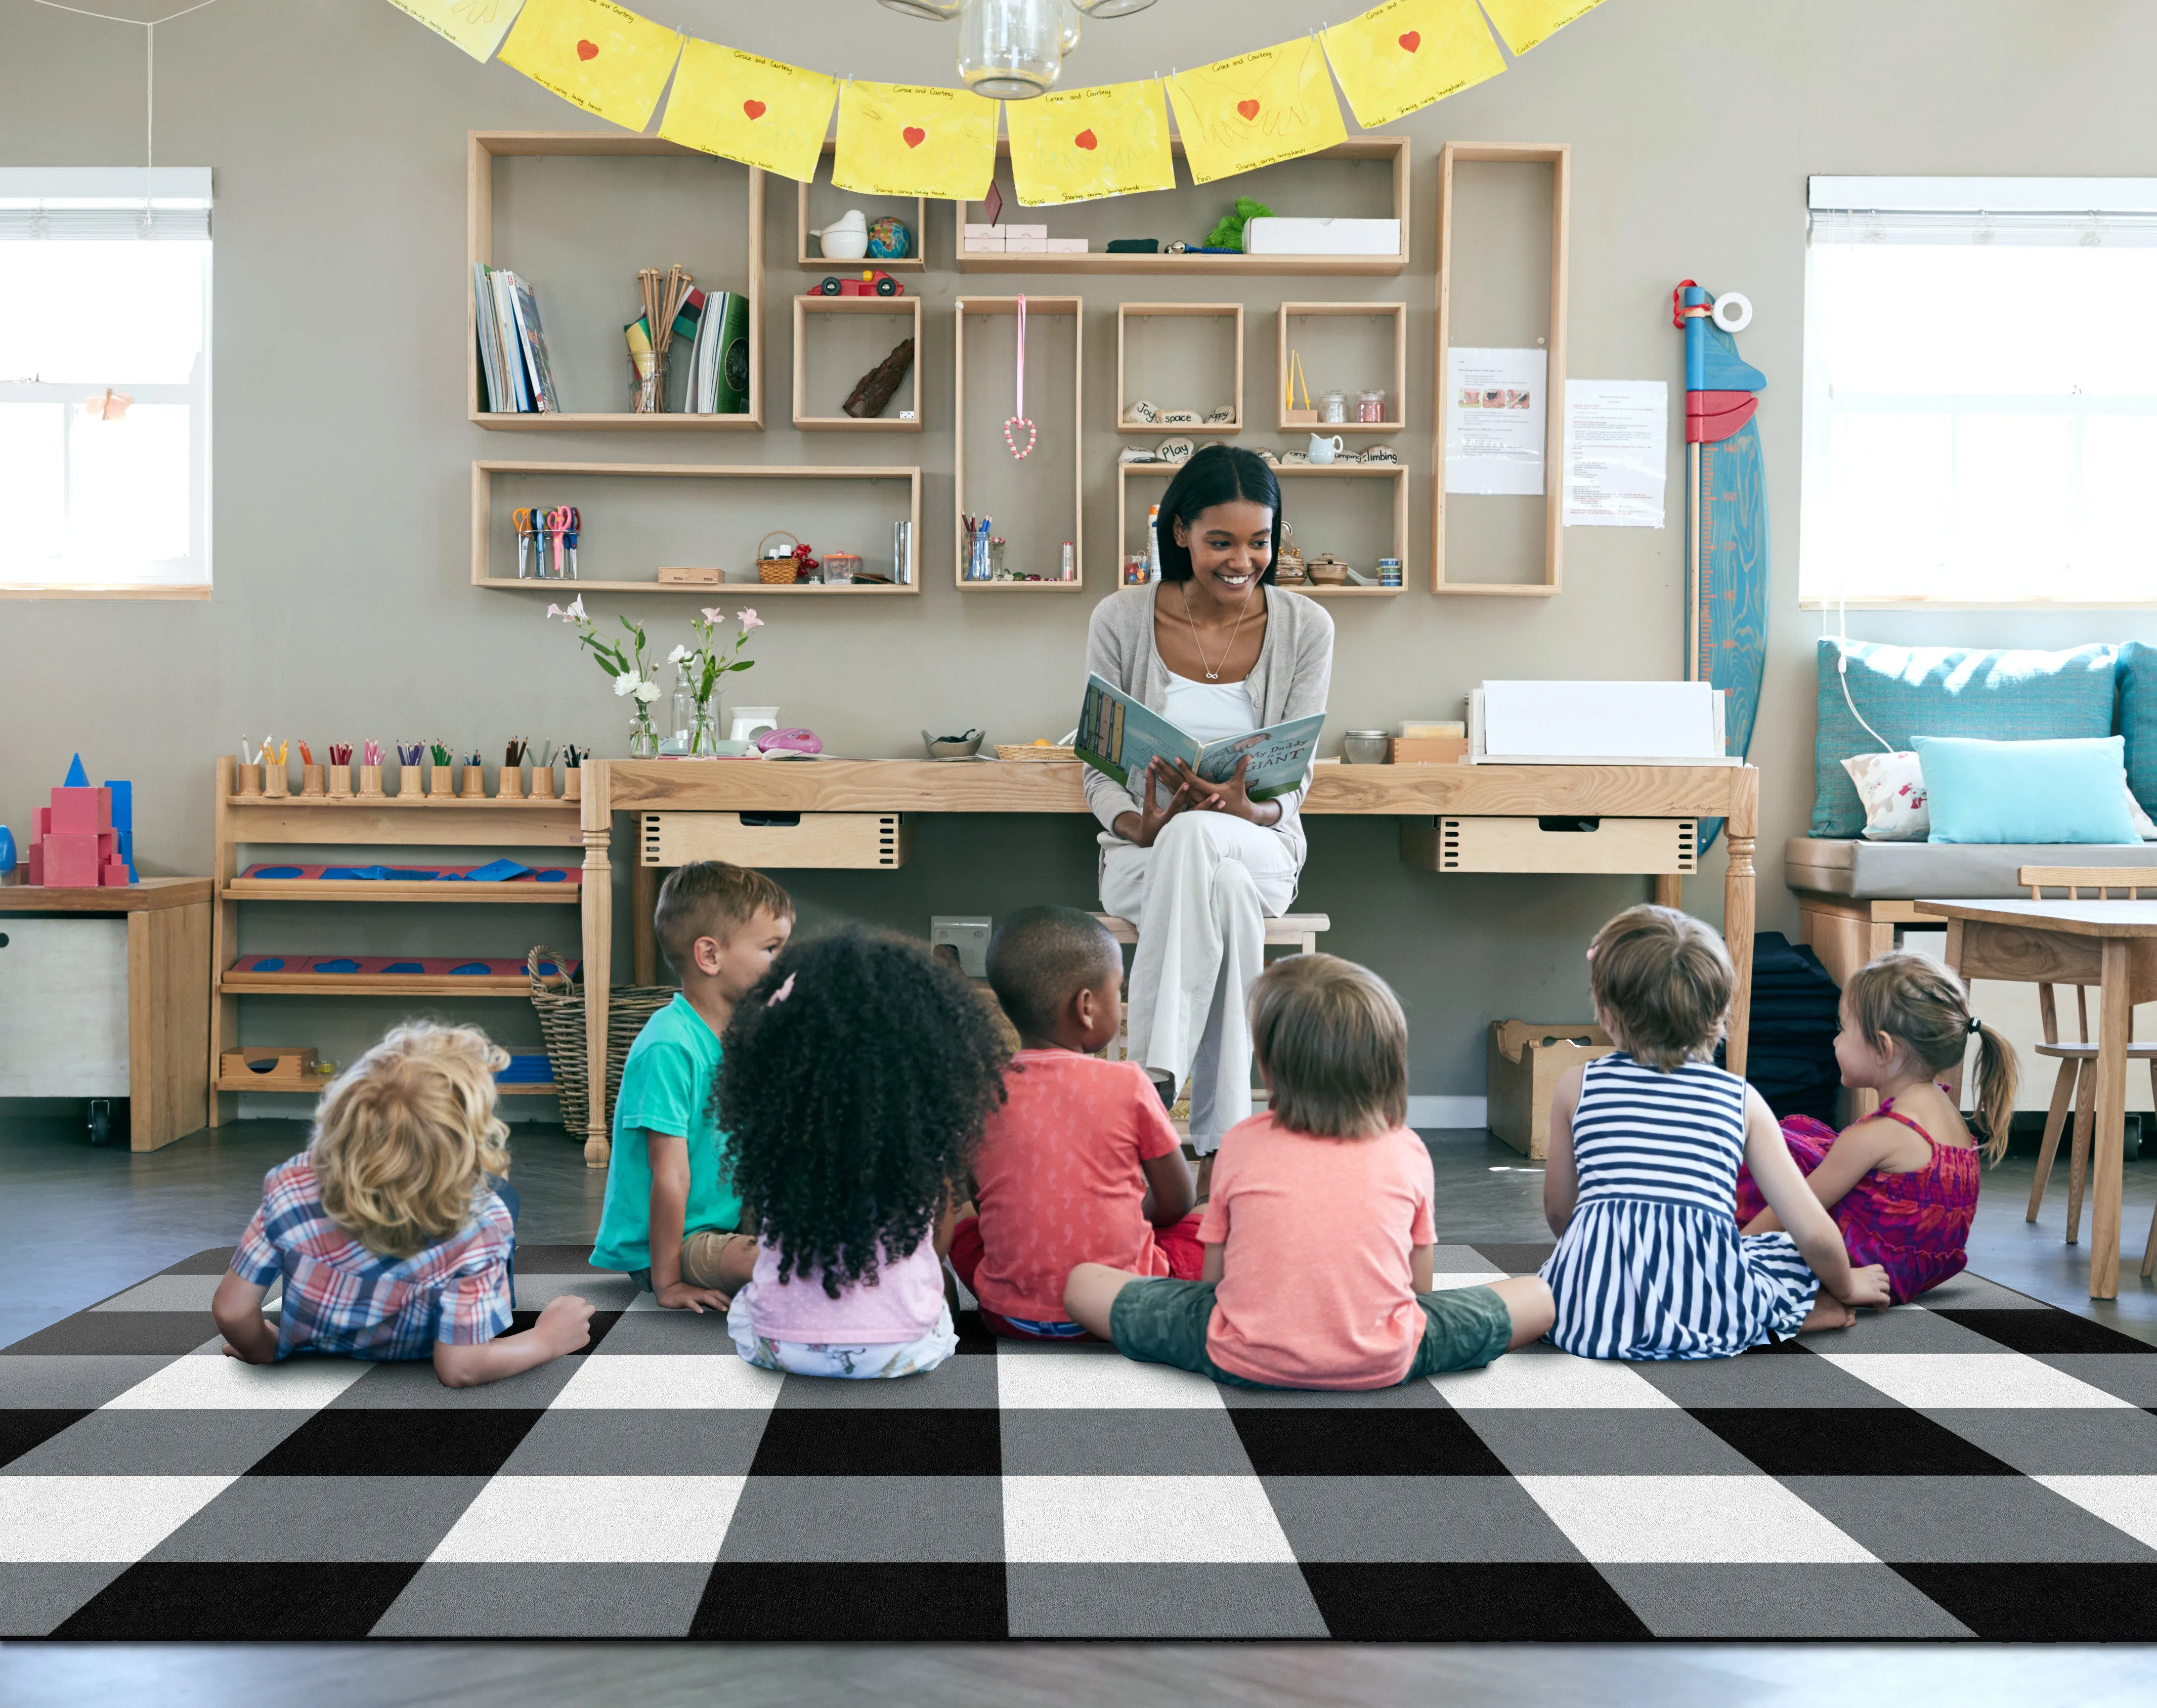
x=336, y=128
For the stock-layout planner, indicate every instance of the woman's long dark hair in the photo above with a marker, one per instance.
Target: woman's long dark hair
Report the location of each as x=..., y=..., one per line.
x=1220, y=474
x=856, y=1079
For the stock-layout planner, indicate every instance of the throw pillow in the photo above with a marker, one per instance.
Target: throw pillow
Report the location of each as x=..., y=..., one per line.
x=2026, y=791
x=1893, y=787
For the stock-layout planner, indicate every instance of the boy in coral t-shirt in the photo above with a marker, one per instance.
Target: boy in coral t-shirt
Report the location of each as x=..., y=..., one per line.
x=1080, y=1164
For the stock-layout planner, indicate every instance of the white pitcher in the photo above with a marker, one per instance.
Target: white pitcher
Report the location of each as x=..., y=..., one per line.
x=1324, y=450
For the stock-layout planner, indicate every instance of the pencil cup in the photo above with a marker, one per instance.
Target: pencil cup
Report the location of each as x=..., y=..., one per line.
x=311, y=779
x=509, y=783
x=442, y=782
x=250, y=779
x=543, y=782
x=370, y=779
x=339, y=779
x=573, y=784
x=276, y=781
x=475, y=787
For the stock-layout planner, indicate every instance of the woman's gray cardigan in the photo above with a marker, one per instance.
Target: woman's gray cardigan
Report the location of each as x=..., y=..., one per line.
x=1291, y=679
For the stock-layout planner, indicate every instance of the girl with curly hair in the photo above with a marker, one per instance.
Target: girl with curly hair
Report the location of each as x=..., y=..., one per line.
x=856, y=1076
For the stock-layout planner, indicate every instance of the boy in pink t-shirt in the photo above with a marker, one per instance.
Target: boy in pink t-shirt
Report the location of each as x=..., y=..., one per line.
x=1318, y=1234
x=1080, y=1164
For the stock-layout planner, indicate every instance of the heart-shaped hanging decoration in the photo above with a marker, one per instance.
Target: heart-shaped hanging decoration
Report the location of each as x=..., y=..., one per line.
x=1248, y=109
x=1018, y=420
x=914, y=136
x=755, y=109
x=587, y=50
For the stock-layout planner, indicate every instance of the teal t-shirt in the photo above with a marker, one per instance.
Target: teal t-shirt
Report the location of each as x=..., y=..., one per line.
x=668, y=1085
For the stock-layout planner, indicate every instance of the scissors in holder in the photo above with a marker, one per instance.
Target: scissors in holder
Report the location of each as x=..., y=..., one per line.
x=558, y=525
x=522, y=522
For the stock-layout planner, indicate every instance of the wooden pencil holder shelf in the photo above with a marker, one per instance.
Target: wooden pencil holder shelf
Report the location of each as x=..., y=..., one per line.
x=442, y=782
x=311, y=779
x=573, y=784
x=475, y=783
x=338, y=780
x=370, y=780
x=276, y=781
x=509, y=783
x=543, y=782
x=250, y=779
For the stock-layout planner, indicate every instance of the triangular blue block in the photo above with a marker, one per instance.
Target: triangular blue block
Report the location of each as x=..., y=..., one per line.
x=77, y=778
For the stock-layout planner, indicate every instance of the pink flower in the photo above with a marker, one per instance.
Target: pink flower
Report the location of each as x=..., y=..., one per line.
x=712, y=614
x=749, y=620
x=576, y=608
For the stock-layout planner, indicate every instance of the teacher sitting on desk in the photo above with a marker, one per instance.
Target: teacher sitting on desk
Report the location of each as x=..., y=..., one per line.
x=1218, y=650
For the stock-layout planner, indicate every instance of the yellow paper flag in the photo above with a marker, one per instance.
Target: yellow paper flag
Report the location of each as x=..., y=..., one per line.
x=896, y=139
x=594, y=54
x=1255, y=109
x=1084, y=143
x=1527, y=23
x=476, y=26
x=762, y=112
x=1406, y=53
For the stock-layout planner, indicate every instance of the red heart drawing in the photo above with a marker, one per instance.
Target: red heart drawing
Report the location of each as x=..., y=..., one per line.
x=914, y=135
x=587, y=50
x=1248, y=109
x=1411, y=40
x=1087, y=139
x=755, y=109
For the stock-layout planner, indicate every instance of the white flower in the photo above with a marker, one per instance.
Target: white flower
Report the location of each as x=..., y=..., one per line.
x=749, y=620
x=553, y=610
x=712, y=614
x=678, y=655
x=626, y=683
x=647, y=691
x=576, y=610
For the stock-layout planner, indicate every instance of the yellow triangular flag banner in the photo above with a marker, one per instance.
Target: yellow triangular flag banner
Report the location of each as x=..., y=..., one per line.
x=1086, y=143
x=1528, y=23
x=1253, y=110
x=594, y=54
x=762, y=112
x=476, y=26
x=896, y=139
x=1405, y=54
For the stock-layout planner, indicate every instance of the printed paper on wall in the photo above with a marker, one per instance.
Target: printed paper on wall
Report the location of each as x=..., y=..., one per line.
x=1401, y=56
x=762, y=112
x=1256, y=109
x=898, y=139
x=476, y=26
x=1528, y=23
x=594, y=54
x=1085, y=143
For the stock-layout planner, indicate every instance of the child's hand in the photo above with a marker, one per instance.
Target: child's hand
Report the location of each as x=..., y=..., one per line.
x=564, y=1325
x=680, y=1295
x=1868, y=1286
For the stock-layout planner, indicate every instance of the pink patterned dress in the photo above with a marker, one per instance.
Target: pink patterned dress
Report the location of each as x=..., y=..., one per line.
x=1915, y=1225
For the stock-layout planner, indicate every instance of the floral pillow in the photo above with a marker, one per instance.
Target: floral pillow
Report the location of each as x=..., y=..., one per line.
x=1893, y=787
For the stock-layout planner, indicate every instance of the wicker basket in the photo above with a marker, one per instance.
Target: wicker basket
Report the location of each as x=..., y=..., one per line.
x=559, y=1003
x=776, y=572
x=1033, y=750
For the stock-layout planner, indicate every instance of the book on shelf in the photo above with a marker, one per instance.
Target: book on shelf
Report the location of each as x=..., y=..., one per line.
x=718, y=362
x=485, y=333
x=531, y=339
x=1119, y=737
x=517, y=378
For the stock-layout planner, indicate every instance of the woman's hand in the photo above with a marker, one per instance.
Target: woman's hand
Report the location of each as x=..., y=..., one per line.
x=1228, y=796
x=1139, y=828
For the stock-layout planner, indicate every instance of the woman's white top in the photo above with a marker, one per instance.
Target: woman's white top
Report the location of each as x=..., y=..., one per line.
x=1209, y=712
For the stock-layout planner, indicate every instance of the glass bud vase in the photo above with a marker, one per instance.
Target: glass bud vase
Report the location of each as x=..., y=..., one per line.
x=703, y=731
x=643, y=740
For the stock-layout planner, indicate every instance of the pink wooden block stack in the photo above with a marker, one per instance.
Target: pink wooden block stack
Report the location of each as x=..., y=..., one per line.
x=74, y=845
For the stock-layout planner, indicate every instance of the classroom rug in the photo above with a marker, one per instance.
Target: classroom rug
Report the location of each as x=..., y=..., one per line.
x=1983, y=1466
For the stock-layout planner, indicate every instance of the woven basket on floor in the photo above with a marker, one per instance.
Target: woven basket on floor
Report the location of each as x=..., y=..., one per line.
x=559, y=1002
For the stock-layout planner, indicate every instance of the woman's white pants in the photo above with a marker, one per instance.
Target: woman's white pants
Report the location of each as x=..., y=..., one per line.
x=1200, y=898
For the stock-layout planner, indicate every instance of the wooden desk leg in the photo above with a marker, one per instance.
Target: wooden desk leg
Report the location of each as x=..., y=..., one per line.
x=1737, y=934
x=643, y=897
x=169, y=1003
x=598, y=825
x=1956, y=931
x=1670, y=889
x=2115, y=1025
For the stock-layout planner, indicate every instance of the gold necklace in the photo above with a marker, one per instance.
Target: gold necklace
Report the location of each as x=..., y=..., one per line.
x=1199, y=646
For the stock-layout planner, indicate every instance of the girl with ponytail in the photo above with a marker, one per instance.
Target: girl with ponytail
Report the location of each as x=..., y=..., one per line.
x=1902, y=1183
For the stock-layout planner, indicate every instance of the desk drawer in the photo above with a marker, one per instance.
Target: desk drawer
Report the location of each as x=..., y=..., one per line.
x=1643, y=846
x=781, y=840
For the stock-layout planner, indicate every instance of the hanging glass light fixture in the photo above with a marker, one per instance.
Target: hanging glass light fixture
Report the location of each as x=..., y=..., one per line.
x=1011, y=50
x=1104, y=8
x=935, y=11
x=1070, y=27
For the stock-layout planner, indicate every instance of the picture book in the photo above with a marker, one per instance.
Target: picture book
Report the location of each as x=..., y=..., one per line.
x=518, y=393
x=731, y=390
x=532, y=337
x=1120, y=738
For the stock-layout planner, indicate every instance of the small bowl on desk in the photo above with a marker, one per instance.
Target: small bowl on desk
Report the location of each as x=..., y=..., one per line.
x=952, y=747
x=1365, y=747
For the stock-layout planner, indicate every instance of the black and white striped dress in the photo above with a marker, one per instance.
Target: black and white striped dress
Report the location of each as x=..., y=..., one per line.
x=1652, y=1264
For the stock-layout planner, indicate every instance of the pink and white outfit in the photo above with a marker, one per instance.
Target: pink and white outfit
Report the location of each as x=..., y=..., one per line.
x=901, y=1327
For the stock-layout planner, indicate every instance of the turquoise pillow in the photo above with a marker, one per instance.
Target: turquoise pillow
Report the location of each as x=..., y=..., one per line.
x=2026, y=791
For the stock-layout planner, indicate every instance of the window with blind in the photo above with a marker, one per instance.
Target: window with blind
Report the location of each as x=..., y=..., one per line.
x=1980, y=392
x=105, y=380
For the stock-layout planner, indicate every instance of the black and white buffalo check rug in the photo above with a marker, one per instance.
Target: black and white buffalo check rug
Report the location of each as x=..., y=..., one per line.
x=1983, y=1466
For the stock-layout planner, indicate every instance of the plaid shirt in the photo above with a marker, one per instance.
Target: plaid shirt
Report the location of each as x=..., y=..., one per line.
x=341, y=1298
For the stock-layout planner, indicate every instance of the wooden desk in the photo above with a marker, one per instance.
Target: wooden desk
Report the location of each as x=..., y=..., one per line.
x=167, y=994
x=2110, y=944
x=1728, y=792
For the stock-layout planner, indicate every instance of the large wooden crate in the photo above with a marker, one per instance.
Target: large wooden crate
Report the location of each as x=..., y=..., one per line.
x=1526, y=1061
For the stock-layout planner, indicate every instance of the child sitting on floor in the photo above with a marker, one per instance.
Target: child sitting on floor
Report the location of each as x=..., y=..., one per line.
x=857, y=1078
x=1645, y=1148
x=672, y=1215
x=1080, y=1164
x=393, y=1232
x=1319, y=1234
x=1902, y=1184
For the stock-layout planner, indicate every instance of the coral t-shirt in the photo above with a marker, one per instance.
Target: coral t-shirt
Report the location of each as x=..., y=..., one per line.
x=1317, y=1290
x=1060, y=1179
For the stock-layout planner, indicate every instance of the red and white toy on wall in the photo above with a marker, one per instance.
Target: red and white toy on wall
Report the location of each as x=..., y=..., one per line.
x=76, y=843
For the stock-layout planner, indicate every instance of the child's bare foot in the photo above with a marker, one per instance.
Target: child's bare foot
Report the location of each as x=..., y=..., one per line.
x=1828, y=1312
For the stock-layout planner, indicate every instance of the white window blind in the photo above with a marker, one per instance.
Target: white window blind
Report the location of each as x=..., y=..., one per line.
x=104, y=287
x=1980, y=391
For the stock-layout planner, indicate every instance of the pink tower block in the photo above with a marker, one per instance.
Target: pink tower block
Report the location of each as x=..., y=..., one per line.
x=42, y=822
x=71, y=860
x=34, y=865
x=112, y=875
x=86, y=811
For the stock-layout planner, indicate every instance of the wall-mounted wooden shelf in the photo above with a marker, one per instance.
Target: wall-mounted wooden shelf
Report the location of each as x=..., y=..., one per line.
x=482, y=149
x=1558, y=156
x=483, y=526
x=915, y=263
x=805, y=308
x=1053, y=308
x=1291, y=472
x=1126, y=312
x=1397, y=370
x=1392, y=149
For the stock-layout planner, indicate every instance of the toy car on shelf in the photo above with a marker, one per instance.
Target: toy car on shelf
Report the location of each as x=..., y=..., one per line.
x=876, y=282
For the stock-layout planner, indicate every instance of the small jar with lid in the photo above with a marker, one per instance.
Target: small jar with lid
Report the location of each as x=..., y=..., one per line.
x=1370, y=406
x=1333, y=407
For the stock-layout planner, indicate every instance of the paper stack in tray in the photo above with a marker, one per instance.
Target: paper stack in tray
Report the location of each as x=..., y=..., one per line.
x=1597, y=724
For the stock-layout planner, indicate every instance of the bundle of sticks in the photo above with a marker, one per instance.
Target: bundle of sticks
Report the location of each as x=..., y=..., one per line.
x=662, y=301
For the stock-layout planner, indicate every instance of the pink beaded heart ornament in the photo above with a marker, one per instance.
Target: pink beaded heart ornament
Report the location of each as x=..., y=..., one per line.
x=1018, y=420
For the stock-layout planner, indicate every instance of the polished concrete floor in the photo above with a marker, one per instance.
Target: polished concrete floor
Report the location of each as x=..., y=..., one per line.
x=78, y=1224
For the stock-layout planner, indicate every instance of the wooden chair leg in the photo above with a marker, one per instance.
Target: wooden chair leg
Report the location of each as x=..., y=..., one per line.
x=2078, y=1167
x=2150, y=1250
x=2056, y=1121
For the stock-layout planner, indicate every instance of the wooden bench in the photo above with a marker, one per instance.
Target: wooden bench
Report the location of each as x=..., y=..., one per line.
x=1300, y=929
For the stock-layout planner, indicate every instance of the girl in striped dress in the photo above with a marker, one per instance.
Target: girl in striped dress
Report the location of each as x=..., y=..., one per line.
x=1640, y=1183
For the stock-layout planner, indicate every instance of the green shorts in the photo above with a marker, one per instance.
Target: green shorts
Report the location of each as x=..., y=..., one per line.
x=1164, y=1322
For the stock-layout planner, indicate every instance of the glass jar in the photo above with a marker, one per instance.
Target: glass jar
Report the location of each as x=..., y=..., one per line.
x=1333, y=407
x=999, y=570
x=1371, y=405
x=643, y=739
x=682, y=723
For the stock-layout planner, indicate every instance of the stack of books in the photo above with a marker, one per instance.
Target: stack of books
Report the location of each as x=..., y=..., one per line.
x=515, y=377
x=718, y=381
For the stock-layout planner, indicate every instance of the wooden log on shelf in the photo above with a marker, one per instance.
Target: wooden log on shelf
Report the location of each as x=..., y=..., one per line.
x=874, y=390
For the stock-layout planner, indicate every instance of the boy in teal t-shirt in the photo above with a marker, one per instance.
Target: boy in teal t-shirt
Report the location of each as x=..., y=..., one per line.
x=671, y=1219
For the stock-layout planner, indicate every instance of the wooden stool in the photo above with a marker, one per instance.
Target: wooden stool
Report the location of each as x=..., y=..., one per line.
x=1300, y=929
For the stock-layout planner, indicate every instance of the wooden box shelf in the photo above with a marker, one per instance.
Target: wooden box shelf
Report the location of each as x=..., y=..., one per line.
x=482, y=149
x=974, y=311
x=1293, y=472
x=1396, y=371
x=487, y=530
x=917, y=216
x=909, y=402
x=1126, y=312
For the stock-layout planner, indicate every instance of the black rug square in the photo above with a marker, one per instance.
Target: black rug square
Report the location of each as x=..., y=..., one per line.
x=22, y=1430
x=1870, y=1441
x=901, y=1441
x=378, y=1442
x=917, y=1602
x=2036, y=1331
x=171, y=1601
x=1425, y=1442
x=1471, y=1602
x=2049, y=1601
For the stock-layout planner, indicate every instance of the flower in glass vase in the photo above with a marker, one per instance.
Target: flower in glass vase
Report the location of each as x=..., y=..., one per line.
x=704, y=664
x=623, y=660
